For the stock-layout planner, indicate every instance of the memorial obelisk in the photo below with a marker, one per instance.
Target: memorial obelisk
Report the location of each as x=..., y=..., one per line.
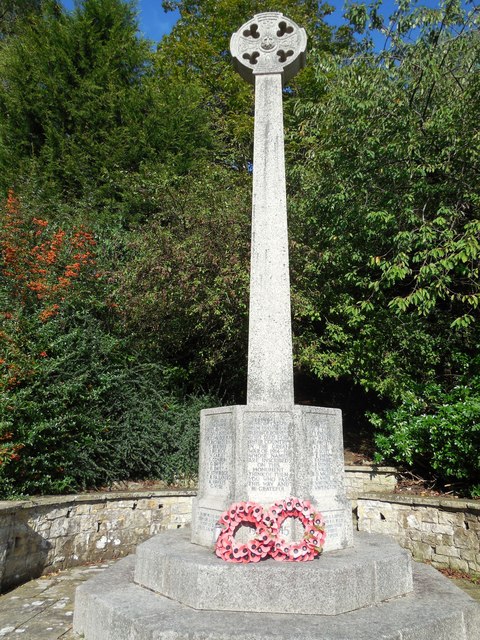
x=270, y=448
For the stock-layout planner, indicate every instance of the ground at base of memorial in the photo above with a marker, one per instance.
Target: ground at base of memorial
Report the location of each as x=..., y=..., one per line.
x=42, y=609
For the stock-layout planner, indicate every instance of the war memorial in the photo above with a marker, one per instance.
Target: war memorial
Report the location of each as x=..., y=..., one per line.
x=361, y=587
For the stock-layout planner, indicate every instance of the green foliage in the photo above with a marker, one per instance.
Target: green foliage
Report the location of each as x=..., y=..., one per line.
x=152, y=152
x=13, y=12
x=386, y=227
x=80, y=406
x=93, y=413
x=198, y=49
x=437, y=432
x=184, y=292
x=386, y=217
x=84, y=112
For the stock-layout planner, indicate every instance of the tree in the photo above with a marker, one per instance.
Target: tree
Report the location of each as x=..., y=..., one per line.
x=386, y=259
x=198, y=49
x=82, y=111
x=13, y=11
x=201, y=227
x=80, y=406
x=184, y=292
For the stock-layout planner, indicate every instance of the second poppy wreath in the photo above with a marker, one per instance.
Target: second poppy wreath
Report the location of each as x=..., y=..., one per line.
x=268, y=539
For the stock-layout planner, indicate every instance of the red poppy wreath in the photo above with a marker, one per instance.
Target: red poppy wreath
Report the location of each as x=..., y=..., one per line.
x=255, y=549
x=268, y=541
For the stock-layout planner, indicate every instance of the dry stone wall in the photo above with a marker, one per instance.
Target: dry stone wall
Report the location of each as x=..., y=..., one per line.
x=53, y=533
x=445, y=532
x=366, y=478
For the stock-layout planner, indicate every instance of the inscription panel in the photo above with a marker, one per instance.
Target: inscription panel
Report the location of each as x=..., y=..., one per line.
x=268, y=452
x=205, y=526
x=325, y=441
x=217, y=451
x=335, y=529
x=207, y=521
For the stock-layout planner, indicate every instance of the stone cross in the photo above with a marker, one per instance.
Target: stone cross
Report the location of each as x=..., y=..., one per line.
x=270, y=448
x=267, y=51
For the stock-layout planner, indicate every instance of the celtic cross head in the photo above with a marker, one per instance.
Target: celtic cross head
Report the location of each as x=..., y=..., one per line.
x=269, y=43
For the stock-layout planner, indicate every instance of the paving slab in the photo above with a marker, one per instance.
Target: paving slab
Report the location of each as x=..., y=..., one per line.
x=42, y=609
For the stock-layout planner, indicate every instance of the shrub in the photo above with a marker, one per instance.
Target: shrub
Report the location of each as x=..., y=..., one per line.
x=79, y=406
x=92, y=414
x=438, y=433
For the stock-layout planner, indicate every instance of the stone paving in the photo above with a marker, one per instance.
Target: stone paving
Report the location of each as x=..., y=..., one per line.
x=42, y=609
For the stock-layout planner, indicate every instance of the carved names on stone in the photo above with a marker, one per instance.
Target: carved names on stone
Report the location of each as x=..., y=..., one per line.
x=268, y=453
x=326, y=453
x=218, y=441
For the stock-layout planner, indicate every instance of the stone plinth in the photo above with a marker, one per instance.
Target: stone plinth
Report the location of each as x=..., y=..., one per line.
x=266, y=454
x=112, y=607
x=373, y=570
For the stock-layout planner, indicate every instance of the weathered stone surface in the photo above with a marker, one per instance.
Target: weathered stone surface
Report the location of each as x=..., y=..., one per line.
x=266, y=454
x=368, y=478
x=111, y=607
x=270, y=449
x=52, y=533
x=373, y=570
x=270, y=361
x=269, y=43
x=443, y=532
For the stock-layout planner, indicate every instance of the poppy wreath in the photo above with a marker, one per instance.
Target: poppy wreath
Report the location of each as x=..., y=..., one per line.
x=268, y=540
x=255, y=549
x=314, y=535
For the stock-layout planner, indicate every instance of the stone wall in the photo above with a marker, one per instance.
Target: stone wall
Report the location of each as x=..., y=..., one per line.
x=366, y=479
x=52, y=533
x=445, y=532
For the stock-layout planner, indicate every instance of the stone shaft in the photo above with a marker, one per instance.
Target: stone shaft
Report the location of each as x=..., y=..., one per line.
x=270, y=372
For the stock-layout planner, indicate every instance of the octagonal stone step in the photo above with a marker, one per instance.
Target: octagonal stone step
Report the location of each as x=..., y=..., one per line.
x=373, y=570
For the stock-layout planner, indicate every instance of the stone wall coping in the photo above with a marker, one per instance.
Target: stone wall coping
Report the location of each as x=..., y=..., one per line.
x=10, y=506
x=451, y=504
x=370, y=468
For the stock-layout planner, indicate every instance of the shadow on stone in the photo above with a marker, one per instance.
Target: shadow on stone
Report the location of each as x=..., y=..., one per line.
x=23, y=555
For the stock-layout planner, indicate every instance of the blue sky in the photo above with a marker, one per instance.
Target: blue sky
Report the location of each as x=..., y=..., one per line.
x=154, y=22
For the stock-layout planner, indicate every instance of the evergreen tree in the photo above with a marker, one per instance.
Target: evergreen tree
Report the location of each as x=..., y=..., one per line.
x=13, y=11
x=82, y=110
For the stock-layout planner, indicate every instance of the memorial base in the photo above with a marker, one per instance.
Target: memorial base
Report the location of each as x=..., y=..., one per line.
x=374, y=569
x=112, y=606
x=265, y=454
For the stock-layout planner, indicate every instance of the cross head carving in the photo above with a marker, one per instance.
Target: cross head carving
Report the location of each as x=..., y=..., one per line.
x=268, y=43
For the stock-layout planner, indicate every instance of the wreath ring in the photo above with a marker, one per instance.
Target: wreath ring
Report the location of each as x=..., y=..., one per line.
x=255, y=549
x=314, y=535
